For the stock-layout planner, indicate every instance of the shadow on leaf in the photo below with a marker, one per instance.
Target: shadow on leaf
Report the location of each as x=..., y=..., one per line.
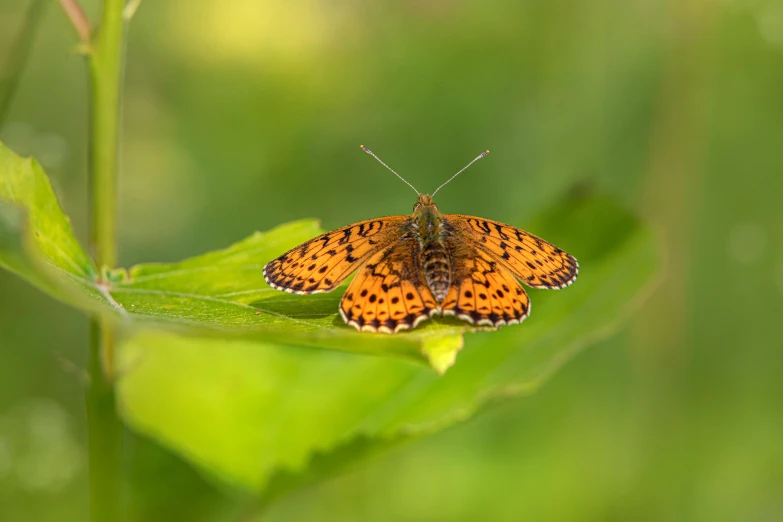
x=315, y=306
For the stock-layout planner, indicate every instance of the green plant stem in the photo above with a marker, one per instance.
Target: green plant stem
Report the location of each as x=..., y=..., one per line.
x=104, y=432
x=106, y=62
x=104, y=428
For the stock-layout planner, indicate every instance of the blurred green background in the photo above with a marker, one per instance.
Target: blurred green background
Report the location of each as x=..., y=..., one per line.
x=241, y=115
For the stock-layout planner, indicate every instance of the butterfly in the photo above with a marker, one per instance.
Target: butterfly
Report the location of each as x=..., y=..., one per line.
x=411, y=268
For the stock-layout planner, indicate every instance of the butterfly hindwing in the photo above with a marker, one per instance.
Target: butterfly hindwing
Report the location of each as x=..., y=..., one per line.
x=537, y=263
x=389, y=293
x=321, y=264
x=484, y=292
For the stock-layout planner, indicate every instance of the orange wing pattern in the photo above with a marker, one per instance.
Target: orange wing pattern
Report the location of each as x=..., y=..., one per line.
x=484, y=292
x=321, y=264
x=389, y=294
x=538, y=263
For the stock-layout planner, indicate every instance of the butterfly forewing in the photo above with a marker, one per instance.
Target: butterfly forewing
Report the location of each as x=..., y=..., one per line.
x=538, y=263
x=321, y=264
x=389, y=293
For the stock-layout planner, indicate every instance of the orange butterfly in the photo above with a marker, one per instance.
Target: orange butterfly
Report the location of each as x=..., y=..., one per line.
x=413, y=267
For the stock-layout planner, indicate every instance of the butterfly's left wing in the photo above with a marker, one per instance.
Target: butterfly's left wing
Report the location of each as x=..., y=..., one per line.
x=537, y=263
x=321, y=264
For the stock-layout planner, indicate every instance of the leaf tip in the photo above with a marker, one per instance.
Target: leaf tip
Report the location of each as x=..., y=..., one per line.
x=441, y=351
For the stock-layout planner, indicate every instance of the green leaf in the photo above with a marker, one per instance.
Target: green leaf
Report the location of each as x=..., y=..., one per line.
x=220, y=293
x=224, y=290
x=268, y=417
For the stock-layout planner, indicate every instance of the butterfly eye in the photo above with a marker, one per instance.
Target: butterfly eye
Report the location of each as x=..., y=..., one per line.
x=416, y=207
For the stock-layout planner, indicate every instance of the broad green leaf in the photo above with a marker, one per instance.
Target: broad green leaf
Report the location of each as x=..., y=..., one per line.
x=302, y=414
x=225, y=292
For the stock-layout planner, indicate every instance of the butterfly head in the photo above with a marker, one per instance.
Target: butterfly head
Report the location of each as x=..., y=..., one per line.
x=424, y=206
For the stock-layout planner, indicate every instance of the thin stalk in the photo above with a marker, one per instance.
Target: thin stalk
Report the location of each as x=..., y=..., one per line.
x=104, y=432
x=106, y=61
x=78, y=19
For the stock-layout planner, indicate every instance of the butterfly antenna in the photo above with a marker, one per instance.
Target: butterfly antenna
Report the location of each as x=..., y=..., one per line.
x=371, y=153
x=483, y=154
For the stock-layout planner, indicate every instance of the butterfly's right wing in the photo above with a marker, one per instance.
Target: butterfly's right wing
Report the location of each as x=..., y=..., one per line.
x=321, y=264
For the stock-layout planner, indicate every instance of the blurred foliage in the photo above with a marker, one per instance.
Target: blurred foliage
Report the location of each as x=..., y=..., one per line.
x=243, y=115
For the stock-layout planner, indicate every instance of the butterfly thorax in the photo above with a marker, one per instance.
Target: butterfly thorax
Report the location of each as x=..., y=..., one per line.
x=433, y=255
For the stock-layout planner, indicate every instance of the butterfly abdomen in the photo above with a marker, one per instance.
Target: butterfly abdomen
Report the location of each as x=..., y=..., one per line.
x=437, y=269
